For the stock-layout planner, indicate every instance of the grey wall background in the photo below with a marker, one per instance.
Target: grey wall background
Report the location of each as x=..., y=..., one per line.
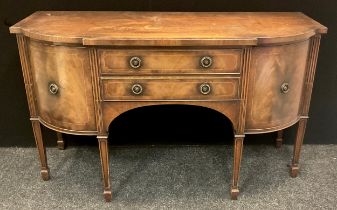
x=163, y=125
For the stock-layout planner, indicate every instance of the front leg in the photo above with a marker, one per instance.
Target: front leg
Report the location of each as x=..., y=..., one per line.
x=103, y=149
x=297, y=147
x=238, y=146
x=41, y=149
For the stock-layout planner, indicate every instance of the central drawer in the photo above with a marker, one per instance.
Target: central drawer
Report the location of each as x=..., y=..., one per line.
x=217, y=88
x=134, y=61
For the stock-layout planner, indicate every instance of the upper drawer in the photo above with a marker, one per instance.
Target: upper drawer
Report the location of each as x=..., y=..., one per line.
x=117, y=61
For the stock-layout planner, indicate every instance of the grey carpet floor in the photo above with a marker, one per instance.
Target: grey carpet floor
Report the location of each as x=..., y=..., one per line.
x=169, y=177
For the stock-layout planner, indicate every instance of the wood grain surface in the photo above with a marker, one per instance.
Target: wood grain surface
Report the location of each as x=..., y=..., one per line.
x=71, y=107
x=169, y=28
x=180, y=88
x=166, y=61
x=268, y=107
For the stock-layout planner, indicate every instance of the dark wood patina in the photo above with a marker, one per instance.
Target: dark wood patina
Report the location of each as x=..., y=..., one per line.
x=83, y=69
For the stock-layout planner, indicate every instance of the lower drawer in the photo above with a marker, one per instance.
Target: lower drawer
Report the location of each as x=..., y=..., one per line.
x=119, y=89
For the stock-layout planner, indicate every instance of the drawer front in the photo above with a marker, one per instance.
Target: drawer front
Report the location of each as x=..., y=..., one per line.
x=170, y=61
x=215, y=89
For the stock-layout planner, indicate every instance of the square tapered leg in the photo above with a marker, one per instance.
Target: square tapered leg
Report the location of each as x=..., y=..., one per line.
x=103, y=150
x=279, y=139
x=238, y=146
x=294, y=168
x=41, y=149
x=60, y=141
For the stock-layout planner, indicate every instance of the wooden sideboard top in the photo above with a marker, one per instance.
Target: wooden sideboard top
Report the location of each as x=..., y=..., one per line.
x=168, y=28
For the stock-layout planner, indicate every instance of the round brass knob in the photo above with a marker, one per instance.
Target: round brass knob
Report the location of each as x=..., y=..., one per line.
x=137, y=89
x=205, y=89
x=135, y=62
x=53, y=88
x=206, y=61
x=285, y=88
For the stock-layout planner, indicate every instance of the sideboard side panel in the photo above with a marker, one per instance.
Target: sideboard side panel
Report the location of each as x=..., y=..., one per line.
x=71, y=109
x=309, y=79
x=246, y=60
x=96, y=85
x=26, y=71
x=269, y=109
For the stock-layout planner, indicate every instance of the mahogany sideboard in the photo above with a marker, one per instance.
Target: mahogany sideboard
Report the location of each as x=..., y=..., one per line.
x=83, y=69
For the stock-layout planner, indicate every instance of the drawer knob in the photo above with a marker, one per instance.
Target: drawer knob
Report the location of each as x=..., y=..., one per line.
x=205, y=88
x=135, y=62
x=53, y=88
x=285, y=88
x=137, y=89
x=206, y=61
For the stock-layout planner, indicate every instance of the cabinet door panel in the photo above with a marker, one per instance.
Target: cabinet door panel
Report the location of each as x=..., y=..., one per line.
x=68, y=69
x=273, y=68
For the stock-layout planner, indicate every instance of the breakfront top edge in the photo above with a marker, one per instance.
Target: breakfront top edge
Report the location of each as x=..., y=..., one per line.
x=168, y=28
